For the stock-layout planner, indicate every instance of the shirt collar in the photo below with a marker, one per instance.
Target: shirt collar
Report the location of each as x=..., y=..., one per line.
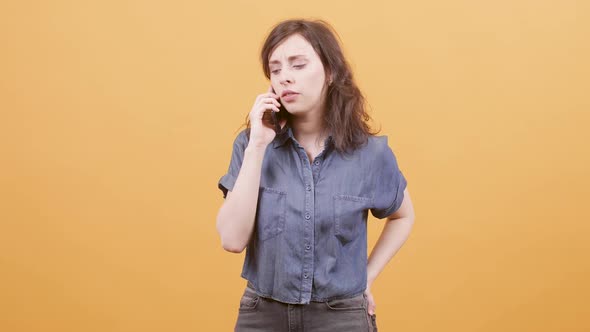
x=283, y=136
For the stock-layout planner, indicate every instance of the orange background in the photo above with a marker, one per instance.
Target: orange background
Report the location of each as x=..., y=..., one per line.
x=117, y=120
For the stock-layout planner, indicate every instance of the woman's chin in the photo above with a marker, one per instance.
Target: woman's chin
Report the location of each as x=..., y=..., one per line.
x=296, y=111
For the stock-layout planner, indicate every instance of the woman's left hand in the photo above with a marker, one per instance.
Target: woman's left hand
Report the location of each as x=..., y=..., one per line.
x=371, y=305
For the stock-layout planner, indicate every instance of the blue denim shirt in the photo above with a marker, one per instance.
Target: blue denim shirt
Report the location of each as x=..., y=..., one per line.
x=310, y=236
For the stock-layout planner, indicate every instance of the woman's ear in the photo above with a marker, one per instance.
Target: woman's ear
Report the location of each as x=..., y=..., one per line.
x=329, y=77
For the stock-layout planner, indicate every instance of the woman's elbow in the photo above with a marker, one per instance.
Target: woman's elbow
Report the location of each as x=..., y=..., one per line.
x=228, y=244
x=232, y=247
x=232, y=238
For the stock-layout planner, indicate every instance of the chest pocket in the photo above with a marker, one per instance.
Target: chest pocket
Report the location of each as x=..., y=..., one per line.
x=350, y=212
x=270, y=213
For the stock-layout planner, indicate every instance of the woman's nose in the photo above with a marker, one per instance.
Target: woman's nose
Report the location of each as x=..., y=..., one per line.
x=285, y=77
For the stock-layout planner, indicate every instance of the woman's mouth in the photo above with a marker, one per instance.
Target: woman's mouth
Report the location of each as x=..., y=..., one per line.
x=290, y=97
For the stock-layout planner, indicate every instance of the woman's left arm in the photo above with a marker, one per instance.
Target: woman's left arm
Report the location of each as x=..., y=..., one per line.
x=395, y=233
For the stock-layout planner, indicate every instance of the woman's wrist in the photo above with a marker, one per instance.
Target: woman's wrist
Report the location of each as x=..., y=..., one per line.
x=256, y=148
x=369, y=283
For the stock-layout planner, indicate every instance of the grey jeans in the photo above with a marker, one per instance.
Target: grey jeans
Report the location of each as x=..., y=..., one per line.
x=257, y=313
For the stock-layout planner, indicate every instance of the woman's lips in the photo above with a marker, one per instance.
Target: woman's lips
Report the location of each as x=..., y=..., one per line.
x=290, y=97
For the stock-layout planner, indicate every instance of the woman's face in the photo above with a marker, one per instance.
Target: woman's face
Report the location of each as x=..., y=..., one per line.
x=294, y=65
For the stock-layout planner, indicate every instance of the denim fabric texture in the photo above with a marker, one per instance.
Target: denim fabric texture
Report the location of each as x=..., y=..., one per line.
x=310, y=237
x=260, y=314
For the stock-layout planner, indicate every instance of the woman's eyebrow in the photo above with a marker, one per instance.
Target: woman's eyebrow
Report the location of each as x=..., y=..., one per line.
x=291, y=58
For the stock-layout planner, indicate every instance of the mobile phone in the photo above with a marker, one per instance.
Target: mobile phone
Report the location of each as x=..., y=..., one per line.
x=277, y=116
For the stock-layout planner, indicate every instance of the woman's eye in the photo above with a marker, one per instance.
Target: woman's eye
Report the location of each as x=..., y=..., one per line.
x=277, y=70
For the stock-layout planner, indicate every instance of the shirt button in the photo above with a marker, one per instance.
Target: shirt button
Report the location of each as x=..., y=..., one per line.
x=307, y=216
x=308, y=188
x=305, y=276
x=307, y=247
x=317, y=162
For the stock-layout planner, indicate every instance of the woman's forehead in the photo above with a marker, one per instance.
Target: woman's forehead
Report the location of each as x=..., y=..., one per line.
x=291, y=48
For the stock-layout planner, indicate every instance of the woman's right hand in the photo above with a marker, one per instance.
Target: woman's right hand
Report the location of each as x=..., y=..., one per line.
x=261, y=128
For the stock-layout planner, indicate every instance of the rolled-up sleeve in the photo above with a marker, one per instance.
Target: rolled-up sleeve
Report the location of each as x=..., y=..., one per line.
x=227, y=181
x=389, y=182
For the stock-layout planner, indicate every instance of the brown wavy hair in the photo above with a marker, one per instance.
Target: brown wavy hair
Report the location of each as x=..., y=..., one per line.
x=345, y=115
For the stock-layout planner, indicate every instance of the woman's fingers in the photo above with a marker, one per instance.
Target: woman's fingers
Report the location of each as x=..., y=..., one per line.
x=272, y=100
x=263, y=127
x=271, y=107
x=266, y=95
x=371, y=306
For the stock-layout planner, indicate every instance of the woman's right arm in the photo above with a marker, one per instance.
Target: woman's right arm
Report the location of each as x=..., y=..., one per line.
x=235, y=219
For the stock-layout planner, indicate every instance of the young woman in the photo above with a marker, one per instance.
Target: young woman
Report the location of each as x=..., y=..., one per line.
x=297, y=196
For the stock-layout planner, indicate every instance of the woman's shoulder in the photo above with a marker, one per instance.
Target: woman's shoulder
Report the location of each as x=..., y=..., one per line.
x=242, y=137
x=371, y=146
x=379, y=147
x=377, y=143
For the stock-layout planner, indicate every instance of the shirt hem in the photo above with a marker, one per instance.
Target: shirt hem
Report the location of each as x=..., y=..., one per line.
x=251, y=285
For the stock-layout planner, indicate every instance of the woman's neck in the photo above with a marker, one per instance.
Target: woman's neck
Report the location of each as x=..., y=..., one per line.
x=308, y=132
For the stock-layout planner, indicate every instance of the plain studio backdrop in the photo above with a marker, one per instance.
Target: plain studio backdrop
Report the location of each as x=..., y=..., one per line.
x=117, y=120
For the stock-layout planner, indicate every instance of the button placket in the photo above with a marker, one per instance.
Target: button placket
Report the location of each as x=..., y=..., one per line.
x=308, y=227
x=316, y=168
